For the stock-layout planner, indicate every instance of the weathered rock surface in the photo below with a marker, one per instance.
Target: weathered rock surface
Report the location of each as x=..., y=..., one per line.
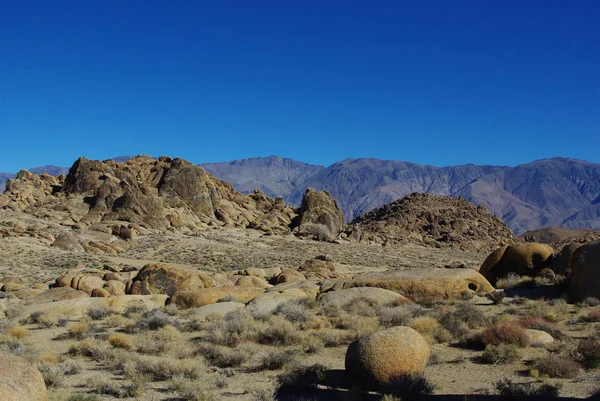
x=421, y=284
x=319, y=217
x=207, y=296
x=20, y=380
x=378, y=358
x=217, y=310
x=164, y=279
x=523, y=259
x=538, y=338
x=67, y=241
x=585, y=279
x=376, y=295
x=58, y=294
x=432, y=220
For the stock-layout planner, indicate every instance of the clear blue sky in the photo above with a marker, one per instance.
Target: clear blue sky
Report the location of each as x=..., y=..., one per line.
x=436, y=82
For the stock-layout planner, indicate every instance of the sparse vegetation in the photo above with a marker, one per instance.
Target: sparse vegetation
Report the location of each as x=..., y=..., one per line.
x=501, y=354
x=508, y=332
x=507, y=388
x=559, y=366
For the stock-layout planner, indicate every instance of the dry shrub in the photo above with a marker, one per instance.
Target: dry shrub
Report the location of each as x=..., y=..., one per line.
x=501, y=354
x=591, y=301
x=160, y=368
x=361, y=307
x=233, y=328
x=18, y=332
x=588, y=351
x=71, y=367
x=539, y=323
x=120, y=341
x=52, y=374
x=190, y=390
x=592, y=316
x=409, y=386
x=279, y=331
x=223, y=357
x=359, y=325
x=510, y=390
x=48, y=358
x=294, y=311
x=427, y=326
x=312, y=344
x=274, y=360
x=505, y=333
x=558, y=366
x=395, y=316
x=78, y=331
x=89, y=348
x=99, y=313
x=334, y=337
x=513, y=280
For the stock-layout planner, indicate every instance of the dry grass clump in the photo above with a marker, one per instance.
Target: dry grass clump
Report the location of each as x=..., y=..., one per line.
x=78, y=331
x=71, y=367
x=312, y=344
x=409, y=386
x=591, y=301
x=279, y=331
x=17, y=332
x=508, y=332
x=501, y=354
x=190, y=390
x=155, y=319
x=592, y=316
x=275, y=360
x=553, y=311
x=298, y=378
x=223, y=357
x=508, y=389
x=396, y=316
x=431, y=329
x=233, y=328
x=361, y=307
x=88, y=347
x=558, y=366
x=294, y=311
x=41, y=319
x=101, y=385
x=588, y=351
x=120, y=341
x=513, y=280
x=99, y=313
x=335, y=337
x=160, y=368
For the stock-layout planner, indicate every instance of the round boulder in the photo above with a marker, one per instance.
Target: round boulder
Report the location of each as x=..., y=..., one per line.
x=381, y=357
x=20, y=380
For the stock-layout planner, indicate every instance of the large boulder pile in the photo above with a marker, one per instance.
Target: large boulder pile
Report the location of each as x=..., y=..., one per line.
x=101, y=205
x=20, y=380
x=585, y=278
x=319, y=216
x=432, y=220
x=523, y=259
x=381, y=357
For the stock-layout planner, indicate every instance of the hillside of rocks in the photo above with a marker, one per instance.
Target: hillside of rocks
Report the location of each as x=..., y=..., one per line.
x=106, y=203
x=432, y=220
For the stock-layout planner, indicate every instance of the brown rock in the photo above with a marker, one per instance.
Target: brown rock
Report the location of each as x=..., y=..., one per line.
x=207, y=296
x=164, y=279
x=67, y=242
x=100, y=293
x=585, y=277
x=115, y=287
x=320, y=217
x=58, y=294
x=87, y=283
x=524, y=259
x=251, y=281
x=422, y=284
x=19, y=380
x=289, y=276
x=385, y=355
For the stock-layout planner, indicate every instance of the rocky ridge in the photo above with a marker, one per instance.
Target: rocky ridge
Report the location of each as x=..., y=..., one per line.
x=432, y=220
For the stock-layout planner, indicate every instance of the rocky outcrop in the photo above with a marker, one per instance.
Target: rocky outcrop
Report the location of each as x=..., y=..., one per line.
x=381, y=357
x=431, y=220
x=164, y=279
x=424, y=284
x=207, y=296
x=319, y=216
x=20, y=380
x=524, y=259
x=585, y=277
x=378, y=296
x=100, y=206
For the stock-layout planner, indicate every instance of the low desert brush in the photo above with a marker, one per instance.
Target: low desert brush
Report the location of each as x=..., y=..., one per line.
x=508, y=332
x=120, y=341
x=558, y=366
x=501, y=354
x=18, y=332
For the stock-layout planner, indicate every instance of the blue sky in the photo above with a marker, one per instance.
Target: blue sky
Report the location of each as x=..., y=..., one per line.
x=428, y=81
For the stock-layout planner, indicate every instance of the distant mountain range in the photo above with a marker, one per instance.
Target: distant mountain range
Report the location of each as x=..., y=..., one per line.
x=551, y=192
